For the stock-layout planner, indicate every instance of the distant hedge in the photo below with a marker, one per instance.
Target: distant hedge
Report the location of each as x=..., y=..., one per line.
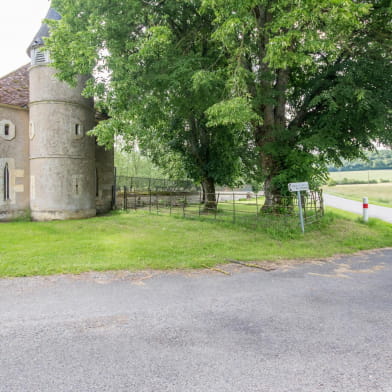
x=351, y=181
x=380, y=160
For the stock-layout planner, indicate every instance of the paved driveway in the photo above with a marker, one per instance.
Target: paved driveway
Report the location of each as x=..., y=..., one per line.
x=383, y=213
x=322, y=326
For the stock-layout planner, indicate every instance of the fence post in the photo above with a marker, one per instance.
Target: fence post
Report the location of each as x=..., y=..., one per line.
x=170, y=201
x=200, y=203
x=321, y=201
x=149, y=204
x=304, y=205
x=125, y=198
x=301, y=218
x=315, y=205
x=184, y=206
x=257, y=210
x=217, y=203
x=114, y=189
x=113, y=197
x=157, y=201
x=233, y=208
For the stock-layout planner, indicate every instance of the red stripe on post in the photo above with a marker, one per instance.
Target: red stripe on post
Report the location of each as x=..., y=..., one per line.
x=365, y=205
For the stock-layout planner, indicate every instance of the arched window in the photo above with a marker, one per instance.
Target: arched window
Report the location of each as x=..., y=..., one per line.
x=6, y=182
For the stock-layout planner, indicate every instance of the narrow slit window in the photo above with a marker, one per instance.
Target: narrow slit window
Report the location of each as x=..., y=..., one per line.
x=96, y=183
x=77, y=129
x=6, y=182
x=6, y=129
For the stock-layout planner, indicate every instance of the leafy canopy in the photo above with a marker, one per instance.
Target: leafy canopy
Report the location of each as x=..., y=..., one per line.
x=160, y=73
x=210, y=83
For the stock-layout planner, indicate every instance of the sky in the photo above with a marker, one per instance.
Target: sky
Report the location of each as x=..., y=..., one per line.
x=20, y=21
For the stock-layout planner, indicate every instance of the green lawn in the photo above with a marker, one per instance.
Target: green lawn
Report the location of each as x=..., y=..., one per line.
x=363, y=175
x=380, y=194
x=138, y=240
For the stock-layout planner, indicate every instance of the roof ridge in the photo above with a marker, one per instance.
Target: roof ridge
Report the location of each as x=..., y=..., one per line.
x=14, y=87
x=16, y=70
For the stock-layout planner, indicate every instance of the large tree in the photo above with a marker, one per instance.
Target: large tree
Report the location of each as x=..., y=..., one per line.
x=303, y=83
x=317, y=74
x=157, y=72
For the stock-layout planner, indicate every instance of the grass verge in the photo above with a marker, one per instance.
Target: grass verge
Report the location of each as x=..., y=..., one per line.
x=137, y=240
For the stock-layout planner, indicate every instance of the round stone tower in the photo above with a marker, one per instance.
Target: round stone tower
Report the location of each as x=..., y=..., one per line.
x=62, y=156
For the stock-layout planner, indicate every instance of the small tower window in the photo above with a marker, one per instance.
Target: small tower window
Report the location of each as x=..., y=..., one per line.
x=77, y=130
x=31, y=130
x=39, y=57
x=7, y=130
x=6, y=182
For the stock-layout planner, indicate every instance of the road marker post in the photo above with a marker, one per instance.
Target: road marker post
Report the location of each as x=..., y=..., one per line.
x=365, y=207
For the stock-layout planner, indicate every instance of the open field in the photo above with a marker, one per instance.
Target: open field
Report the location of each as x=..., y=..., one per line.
x=380, y=194
x=139, y=240
x=364, y=175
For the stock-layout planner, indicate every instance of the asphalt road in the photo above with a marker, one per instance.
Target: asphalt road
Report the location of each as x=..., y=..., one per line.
x=383, y=213
x=321, y=326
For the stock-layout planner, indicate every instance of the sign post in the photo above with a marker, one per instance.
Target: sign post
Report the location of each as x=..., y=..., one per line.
x=298, y=187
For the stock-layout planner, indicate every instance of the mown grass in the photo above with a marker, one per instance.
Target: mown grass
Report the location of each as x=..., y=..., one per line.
x=380, y=194
x=362, y=175
x=137, y=240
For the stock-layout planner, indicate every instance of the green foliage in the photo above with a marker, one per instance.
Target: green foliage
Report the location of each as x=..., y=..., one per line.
x=210, y=87
x=235, y=111
x=317, y=72
x=134, y=164
x=164, y=72
x=373, y=160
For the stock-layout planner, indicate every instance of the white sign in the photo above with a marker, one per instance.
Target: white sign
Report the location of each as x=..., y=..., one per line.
x=298, y=186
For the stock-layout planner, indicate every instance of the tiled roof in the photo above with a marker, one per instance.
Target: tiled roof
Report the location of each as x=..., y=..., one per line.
x=14, y=87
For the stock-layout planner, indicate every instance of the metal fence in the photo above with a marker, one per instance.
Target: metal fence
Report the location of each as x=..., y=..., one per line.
x=182, y=198
x=142, y=184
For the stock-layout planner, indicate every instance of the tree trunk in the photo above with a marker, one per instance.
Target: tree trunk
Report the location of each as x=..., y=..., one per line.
x=274, y=202
x=267, y=138
x=209, y=191
x=203, y=200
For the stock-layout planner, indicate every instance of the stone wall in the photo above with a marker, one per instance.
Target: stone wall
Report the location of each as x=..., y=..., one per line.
x=14, y=152
x=104, y=161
